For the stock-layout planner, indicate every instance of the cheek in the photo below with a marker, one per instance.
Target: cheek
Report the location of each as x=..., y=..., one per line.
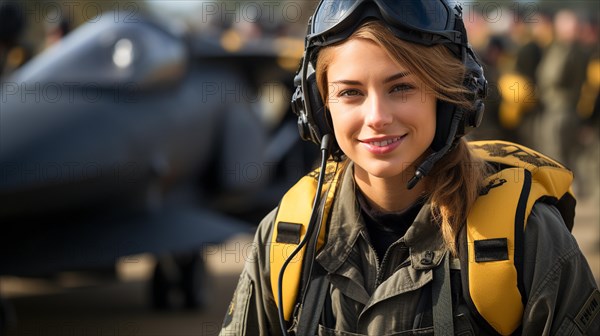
x=344, y=128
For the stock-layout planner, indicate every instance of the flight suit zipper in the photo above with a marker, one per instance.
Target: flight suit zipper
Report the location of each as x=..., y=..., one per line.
x=377, y=262
x=381, y=268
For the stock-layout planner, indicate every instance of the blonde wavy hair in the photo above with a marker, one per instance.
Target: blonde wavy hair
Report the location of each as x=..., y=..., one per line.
x=459, y=172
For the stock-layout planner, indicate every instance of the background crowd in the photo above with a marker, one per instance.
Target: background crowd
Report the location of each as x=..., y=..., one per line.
x=544, y=72
x=542, y=59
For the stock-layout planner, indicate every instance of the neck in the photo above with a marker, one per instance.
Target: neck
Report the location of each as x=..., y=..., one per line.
x=388, y=194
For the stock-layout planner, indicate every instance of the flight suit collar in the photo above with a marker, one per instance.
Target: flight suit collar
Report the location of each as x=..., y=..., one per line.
x=423, y=238
x=425, y=241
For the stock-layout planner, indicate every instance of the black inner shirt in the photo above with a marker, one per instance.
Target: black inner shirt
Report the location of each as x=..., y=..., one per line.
x=385, y=228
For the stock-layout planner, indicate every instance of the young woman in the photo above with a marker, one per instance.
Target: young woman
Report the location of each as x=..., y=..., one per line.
x=390, y=88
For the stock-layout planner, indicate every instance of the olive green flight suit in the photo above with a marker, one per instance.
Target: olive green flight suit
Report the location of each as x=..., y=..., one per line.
x=385, y=297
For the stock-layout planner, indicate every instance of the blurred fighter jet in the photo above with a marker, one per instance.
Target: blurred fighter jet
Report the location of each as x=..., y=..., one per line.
x=128, y=138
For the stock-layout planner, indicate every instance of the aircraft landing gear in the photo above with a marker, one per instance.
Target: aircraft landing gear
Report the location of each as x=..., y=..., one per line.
x=179, y=281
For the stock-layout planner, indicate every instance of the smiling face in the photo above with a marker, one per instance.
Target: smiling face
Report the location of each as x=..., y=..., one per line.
x=383, y=115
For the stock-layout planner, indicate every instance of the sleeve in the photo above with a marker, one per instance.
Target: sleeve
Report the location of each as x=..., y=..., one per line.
x=252, y=310
x=563, y=297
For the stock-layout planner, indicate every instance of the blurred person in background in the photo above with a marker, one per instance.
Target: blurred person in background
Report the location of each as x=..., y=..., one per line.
x=13, y=53
x=56, y=30
x=560, y=76
x=518, y=107
x=588, y=109
x=493, y=57
x=492, y=49
x=527, y=64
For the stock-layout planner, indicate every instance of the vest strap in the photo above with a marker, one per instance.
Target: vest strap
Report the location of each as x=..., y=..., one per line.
x=443, y=318
x=314, y=303
x=292, y=221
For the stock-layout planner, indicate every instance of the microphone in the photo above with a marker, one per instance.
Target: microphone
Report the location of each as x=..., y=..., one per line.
x=326, y=143
x=424, y=168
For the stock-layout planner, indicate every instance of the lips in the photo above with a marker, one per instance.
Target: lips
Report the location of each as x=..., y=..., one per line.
x=382, y=145
x=384, y=142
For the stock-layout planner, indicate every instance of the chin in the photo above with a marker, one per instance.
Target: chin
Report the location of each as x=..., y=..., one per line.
x=385, y=169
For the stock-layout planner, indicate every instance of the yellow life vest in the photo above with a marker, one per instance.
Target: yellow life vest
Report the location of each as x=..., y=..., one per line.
x=494, y=229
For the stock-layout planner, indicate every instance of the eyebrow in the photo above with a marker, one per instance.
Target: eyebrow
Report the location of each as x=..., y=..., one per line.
x=396, y=76
x=385, y=81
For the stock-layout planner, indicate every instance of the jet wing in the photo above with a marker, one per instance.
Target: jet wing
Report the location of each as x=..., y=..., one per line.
x=76, y=244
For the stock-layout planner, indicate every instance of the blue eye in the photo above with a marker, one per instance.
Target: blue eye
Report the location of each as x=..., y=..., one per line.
x=405, y=87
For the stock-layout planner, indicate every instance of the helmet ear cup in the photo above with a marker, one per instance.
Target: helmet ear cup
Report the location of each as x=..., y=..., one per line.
x=321, y=121
x=299, y=109
x=477, y=115
x=308, y=107
x=313, y=120
x=476, y=84
x=443, y=120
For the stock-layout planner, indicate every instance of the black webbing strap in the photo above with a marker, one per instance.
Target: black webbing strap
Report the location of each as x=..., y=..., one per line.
x=310, y=312
x=443, y=323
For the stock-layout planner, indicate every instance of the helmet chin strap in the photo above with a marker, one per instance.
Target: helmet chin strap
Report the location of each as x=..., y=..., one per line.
x=424, y=168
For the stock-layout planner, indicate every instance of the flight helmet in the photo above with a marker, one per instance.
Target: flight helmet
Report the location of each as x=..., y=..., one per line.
x=425, y=22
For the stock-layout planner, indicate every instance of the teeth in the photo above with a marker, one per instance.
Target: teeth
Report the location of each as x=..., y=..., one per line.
x=385, y=142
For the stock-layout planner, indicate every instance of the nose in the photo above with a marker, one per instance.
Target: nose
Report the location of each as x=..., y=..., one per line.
x=379, y=113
